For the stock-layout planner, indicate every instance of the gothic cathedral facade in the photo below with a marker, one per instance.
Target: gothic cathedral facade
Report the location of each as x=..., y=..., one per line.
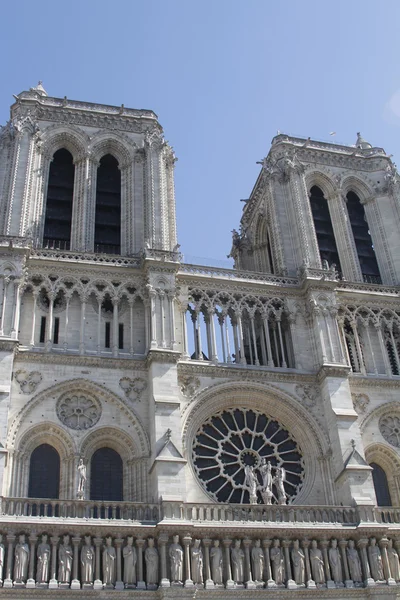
x=167, y=426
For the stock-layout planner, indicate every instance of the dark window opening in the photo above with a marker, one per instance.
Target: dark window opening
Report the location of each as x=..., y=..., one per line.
x=60, y=190
x=106, y=479
x=108, y=331
x=107, y=233
x=381, y=486
x=56, y=330
x=44, y=473
x=323, y=228
x=362, y=239
x=42, y=336
x=121, y=336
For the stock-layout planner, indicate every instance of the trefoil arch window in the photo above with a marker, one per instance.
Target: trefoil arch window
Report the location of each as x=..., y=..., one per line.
x=324, y=229
x=107, y=231
x=362, y=239
x=60, y=192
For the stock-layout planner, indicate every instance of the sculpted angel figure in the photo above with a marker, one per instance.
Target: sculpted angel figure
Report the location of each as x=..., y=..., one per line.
x=251, y=483
x=279, y=482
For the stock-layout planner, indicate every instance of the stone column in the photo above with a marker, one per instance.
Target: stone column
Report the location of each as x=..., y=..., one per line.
x=250, y=585
x=32, y=555
x=310, y=583
x=362, y=545
x=348, y=582
x=241, y=338
x=209, y=581
x=214, y=355
x=385, y=358
x=171, y=303
x=153, y=319
x=268, y=575
x=383, y=544
x=82, y=331
x=119, y=584
x=35, y=295
x=327, y=569
x=290, y=584
x=8, y=582
x=115, y=345
x=49, y=334
x=75, y=584
x=6, y=282
x=162, y=296
x=162, y=541
x=230, y=584
x=17, y=310
x=98, y=584
x=141, y=585
x=53, y=584
x=186, y=544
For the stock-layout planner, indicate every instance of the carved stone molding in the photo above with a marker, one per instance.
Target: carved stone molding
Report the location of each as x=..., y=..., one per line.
x=28, y=381
x=307, y=394
x=189, y=385
x=360, y=402
x=133, y=388
x=80, y=361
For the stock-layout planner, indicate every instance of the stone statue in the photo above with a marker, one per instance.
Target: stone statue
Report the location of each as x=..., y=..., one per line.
x=197, y=562
x=176, y=558
x=216, y=563
x=81, y=479
x=278, y=564
x=87, y=561
x=375, y=561
x=354, y=563
x=65, y=555
x=393, y=561
x=130, y=558
x=251, y=483
x=43, y=561
x=151, y=560
x=109, y=561
x=257, y=560
x=317, y=563
x=335, y=562
x=266, y=474
x=21, y=554
x=298, y=561
x=237, y=556
x=2, y=553
x=280, y=488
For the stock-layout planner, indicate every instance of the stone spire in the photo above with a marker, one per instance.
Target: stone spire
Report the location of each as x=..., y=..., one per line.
x=39, y=89
x=361, y=143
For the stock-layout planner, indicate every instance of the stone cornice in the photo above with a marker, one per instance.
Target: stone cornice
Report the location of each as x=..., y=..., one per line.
x=333, y=370
x=163, y=356
x=241, y=373
x=360, y=381
x=135, y=364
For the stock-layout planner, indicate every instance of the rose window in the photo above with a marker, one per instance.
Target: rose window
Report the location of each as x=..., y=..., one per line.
x=389, y=426
x=78, y=412
x=234, y=439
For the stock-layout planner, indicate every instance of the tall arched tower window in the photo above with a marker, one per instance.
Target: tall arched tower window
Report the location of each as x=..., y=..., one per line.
x=323, y=228
x=262, y=248
x=106, y=475
x=362, y=238
x=60, y=191
x=44, y=472
x=107, y=232
x=381, y=485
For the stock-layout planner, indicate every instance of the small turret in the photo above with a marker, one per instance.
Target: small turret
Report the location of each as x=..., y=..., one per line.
x=361, y=143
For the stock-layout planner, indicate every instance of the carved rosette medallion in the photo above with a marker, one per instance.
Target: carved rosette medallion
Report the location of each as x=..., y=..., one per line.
x=78, y=411
x=389, y=426
x=233, y=439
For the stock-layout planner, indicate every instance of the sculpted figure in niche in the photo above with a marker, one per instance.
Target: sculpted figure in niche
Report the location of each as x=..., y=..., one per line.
x=278, y=564
x=237, y=556
x=251, y=483
x=65, y=555
x=393, y=561
x=298, y=560
x=81, y=479
x=216, y=563
x=257, y=559
x=176, y=558
x=130, y=558
x=43, y=561
x=87, y=561
x=151, y=560
x=197, y=562
x=335, y=562
x=354, y=563
x=266, y=474
x=21, y=554
x=109, y=557
x=375, y=561
x=317, y=563
x=2, y=553
x=279, y=481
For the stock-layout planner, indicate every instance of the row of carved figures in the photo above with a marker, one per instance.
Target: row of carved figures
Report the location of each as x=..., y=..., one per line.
x=97, y=562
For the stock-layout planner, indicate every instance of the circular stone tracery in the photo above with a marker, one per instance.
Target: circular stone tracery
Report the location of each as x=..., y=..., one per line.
x=389, y=426
x=78, y=411
x=235, y=438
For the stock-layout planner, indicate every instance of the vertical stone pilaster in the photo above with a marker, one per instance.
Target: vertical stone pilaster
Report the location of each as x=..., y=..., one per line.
x=141, y=585
x=187, y=540
x=162, y=543
x=75, y=584
x=53, y=584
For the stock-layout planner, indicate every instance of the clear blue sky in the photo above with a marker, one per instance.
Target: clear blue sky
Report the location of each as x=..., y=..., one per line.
x=223, y=77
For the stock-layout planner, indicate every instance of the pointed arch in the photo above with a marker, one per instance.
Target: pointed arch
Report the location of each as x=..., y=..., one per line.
x=262, y=246
x=389, y=462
